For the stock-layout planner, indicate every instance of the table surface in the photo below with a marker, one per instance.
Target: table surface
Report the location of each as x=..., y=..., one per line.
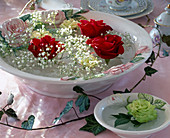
x=45, y=109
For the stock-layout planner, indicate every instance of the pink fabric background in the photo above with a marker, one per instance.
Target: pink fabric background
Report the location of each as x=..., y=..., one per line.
x=45, y=109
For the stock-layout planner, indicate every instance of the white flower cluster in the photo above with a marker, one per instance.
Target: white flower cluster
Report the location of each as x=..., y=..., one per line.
x=80, y=51
x=63, y=32
x=77, y=59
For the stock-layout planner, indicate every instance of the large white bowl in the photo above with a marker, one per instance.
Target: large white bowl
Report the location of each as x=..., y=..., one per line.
x=116, y=104
x=56, y=87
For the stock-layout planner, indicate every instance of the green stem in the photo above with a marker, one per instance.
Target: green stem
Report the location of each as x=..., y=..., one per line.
x=144, y=76
x=75, y=112
x=41, y=128
x=4, y=107
x=94, y=97
x=148, y=19
x=138, y=83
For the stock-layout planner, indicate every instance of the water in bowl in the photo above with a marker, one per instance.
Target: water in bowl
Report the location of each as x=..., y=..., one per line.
x=115, y=109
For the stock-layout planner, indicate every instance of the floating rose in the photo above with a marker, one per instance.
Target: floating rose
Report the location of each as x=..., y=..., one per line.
x=142, y=110
x=14, y=31
x=46, y=47
x=107, y=47
x=93, y=28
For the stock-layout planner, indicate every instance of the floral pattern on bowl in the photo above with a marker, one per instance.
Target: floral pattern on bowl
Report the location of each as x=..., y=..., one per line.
x=138, y=57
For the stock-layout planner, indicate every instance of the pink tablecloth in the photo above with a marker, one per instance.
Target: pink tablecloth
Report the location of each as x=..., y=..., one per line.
x=45, y=109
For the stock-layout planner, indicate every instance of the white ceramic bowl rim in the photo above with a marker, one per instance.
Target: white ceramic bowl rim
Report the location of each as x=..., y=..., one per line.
x=16, y=72
x=143, y=132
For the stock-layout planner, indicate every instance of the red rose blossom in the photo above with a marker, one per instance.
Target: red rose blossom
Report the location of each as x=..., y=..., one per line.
x=45, y=47
x=93, y=28
x=107, y=47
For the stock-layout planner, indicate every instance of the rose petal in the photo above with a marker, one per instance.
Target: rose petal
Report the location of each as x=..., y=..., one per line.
x=93, y=28
x=107, y=47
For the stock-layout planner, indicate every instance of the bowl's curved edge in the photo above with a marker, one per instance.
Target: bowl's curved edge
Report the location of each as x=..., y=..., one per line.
x=25, y=75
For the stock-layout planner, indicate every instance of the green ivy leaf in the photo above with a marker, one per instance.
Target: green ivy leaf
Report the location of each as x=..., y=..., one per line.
x=78, y=17
x=67, y=108
x=83, y=102
x=126, y=91
x=151, y=58
x=10, y=112
x=122, y=119
x=68, y=13
x=122, y=115
x=165, y=53
x=75, y=16
x=28, y=124
x=145, y=96
x=159, y=103
x=25, y=17
x=81, y=11
x=166, y=39
x=1, y=114
x=149, y=71
x=78, y=89
x=136, y=123
x=137, y=59
x=92, y=126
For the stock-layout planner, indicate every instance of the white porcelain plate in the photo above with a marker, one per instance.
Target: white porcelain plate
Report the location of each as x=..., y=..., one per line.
x=148, y=10
x=116, y=103
x=135, y=7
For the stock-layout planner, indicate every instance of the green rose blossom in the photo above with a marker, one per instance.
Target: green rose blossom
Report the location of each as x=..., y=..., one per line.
x=142, y=110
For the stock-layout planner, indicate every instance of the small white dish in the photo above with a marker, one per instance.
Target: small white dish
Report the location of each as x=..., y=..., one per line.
x=115, y=104
x=136, y=6
x=148, y=10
